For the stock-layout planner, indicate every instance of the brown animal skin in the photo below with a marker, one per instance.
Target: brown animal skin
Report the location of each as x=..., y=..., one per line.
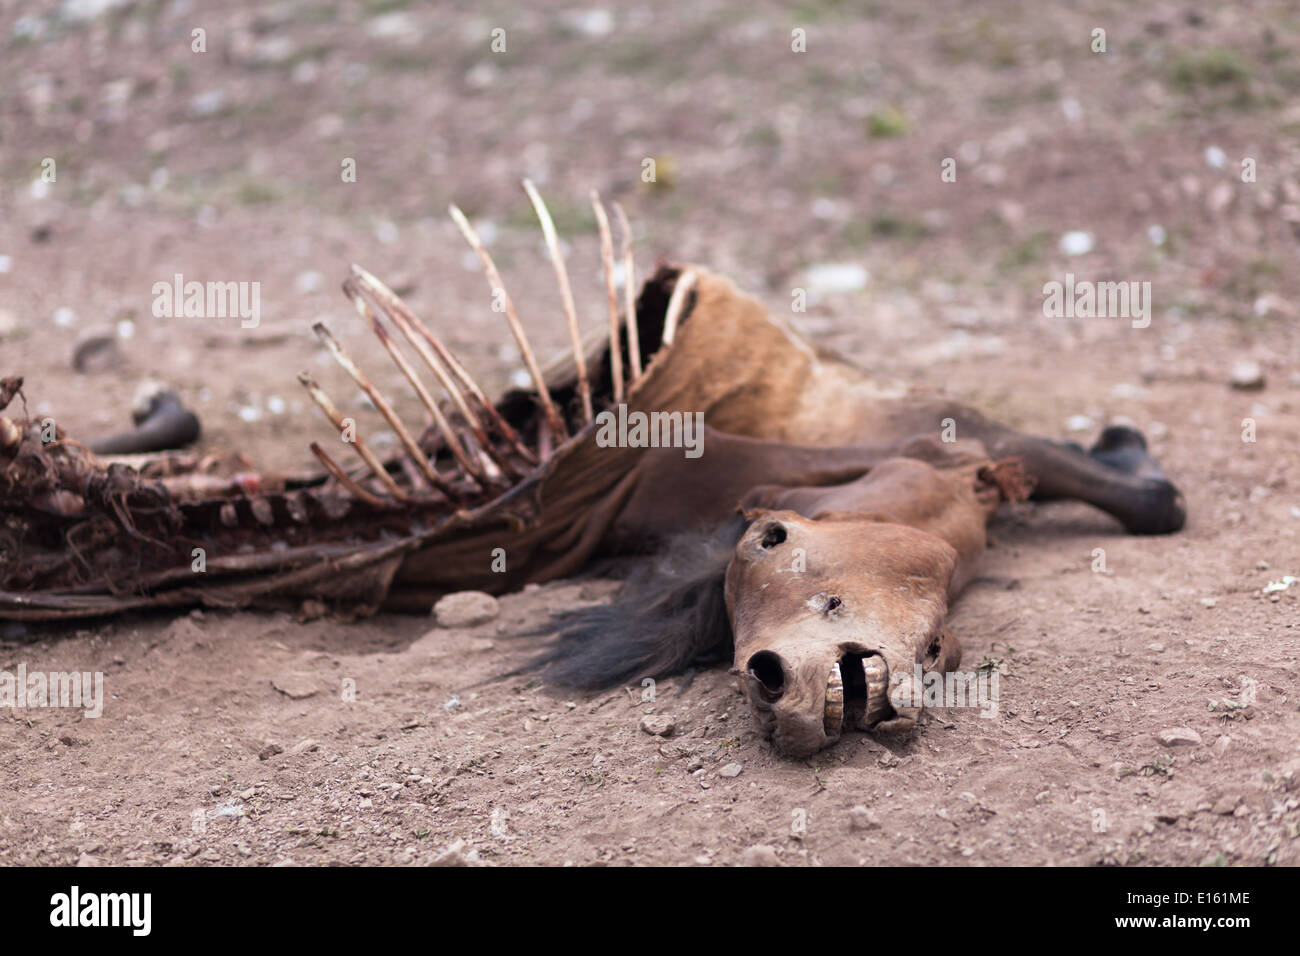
x=889, y=521
x=879, y=559
x=800, y=445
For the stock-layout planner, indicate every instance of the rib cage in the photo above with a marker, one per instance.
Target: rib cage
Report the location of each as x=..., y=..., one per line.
x=83, y=536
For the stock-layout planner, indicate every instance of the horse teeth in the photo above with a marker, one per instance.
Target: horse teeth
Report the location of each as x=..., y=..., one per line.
x=876, y=673
x=833, y=722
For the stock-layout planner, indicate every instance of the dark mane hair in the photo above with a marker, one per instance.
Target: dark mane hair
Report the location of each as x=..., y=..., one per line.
x=669, y=615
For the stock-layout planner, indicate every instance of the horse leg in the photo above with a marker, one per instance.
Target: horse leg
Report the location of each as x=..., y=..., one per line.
x=1118, y=475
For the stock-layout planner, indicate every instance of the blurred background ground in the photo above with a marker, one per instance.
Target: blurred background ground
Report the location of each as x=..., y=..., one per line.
x=817, y=170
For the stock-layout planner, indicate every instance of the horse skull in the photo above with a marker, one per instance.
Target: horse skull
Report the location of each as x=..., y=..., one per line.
x=830, y=619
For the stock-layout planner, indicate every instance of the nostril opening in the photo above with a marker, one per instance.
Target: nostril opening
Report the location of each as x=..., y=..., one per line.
x=932, y=652
x=773, y=536
x=766, y=668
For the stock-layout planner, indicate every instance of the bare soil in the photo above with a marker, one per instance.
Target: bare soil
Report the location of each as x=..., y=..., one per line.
x=231, y=738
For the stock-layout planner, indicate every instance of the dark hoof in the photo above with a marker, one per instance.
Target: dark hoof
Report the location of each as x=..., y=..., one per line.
x=162, y=423
x=1117, y=437
x=1158, y=509
x=1125, y=449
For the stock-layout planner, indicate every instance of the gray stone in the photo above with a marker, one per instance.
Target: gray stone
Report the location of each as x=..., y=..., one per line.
x=466, y=609
x=658, y=725
x=860, y=818
x=458, y=854
x=760, y=855
x=1178, y=737
x=1247, y=375
x=296, y=686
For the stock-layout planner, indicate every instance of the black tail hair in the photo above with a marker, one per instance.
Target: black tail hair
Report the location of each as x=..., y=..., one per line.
x=669, y=615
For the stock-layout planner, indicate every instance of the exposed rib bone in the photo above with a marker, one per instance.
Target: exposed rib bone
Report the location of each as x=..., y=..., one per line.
x=494, y=282
x=449, y=436
x=332, y=413
x=381, y=403
x=611, y=294
x=406, y=320
x=676, y=304
x=342, y=478
x=566, y=296
x=629, y=295
x=545, y=444
x=491, y=470
x=410, y=325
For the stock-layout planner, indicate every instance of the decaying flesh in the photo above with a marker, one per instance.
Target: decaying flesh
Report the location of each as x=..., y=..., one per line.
x=816, y=456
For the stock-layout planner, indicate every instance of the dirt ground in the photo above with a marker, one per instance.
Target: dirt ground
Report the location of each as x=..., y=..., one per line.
x=227, y=738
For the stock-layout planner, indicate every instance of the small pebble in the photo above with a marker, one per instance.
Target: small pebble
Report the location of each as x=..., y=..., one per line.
x=658, y=725
x=458, y=854
x=1247, y=375
x=832, y=277
x=307, y=282
x=96, y=351
x=1226, y=804
x=860, y=818
x=466, y=609
x=761, y=855
x=1076, y=243
x=1178, y=737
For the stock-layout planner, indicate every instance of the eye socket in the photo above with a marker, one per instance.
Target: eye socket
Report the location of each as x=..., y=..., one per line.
x=833, y=603
x=773, y=536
